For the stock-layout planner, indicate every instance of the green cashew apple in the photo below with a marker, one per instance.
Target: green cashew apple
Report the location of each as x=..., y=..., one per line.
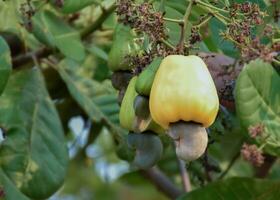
x=146, y=78
x=127, y=114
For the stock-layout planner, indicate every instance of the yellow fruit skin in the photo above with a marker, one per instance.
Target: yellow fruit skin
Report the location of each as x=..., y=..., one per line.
x=183, y=89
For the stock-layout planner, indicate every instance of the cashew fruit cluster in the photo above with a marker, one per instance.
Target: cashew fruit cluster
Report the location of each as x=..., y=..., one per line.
x=174, y=95
x=134, y=100
x=135, y=117
x=184, y=101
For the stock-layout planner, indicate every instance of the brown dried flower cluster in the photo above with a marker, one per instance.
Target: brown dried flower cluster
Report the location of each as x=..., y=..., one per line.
x=250, y=11
x=59, y=3
x=195, y=36
x=27, y=11
x=252, y=154
x=139, y=62
x=256, y=130
x=245, y=17
x=142, y=18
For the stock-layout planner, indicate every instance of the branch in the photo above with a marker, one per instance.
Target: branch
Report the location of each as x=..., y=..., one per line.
x=235, y=157
x=99, y=21
x=27, y=57
x=155, y=176
x=207, y=166
x=44, y=52
x=184, y=25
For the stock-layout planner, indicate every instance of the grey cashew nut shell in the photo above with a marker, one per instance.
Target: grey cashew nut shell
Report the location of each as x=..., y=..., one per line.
x=148, y=149
x=190, y=138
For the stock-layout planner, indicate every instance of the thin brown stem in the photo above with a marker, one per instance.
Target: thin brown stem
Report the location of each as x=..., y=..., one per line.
x=44, y=52
x=184, y=175
x=27, y=57
x=184, y=26
x=205, y=21
x=99, y=21
x=162, y=182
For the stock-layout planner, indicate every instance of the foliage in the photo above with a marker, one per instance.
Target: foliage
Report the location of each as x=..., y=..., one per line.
x=59, y=110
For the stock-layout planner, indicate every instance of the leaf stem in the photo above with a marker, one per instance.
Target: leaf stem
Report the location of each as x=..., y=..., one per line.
x=276, y=61
x=179, y=21
x=216, y=14
x=205, y=21
x=105, y=12
x=185, y=24
x=210, y=6
x=235, y=157
x=167, y=43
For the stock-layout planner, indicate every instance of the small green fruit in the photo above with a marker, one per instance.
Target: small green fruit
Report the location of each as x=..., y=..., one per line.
x=127, y=114
x=146, y=78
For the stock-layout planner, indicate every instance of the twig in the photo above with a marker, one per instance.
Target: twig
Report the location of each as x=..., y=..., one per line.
x=160, y=180
x=184, y=26
x=205, y=21
x=179, y=21
x=184, y=175
x=235, y=157
x=27, y=57
x=44, y=52
x=104, y=15
x=207, y=166
x=211, y=6
x=168, y=44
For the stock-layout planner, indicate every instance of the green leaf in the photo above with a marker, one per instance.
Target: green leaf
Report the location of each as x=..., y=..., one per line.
x=227, y=47
x=237, y=188
x=98, y=100
x=52, y=31
x=71, y=6
x=5, y=64
x=33, y=156
x=257, y=96
x=9, y=188
x=9, y=16
x=173, y=29
x=98, y=52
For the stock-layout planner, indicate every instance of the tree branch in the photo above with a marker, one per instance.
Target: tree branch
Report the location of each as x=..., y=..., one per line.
x=155, y=176
x=44, y=52
x=235, y=157
x=99, y=21
x=27, y=57
x=184, y=26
